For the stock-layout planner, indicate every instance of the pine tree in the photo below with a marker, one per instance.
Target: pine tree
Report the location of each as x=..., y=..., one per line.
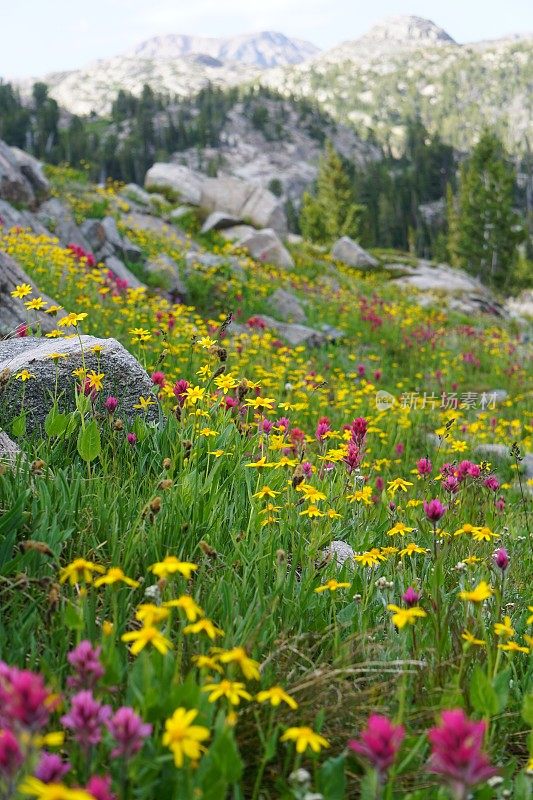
x=489, y=230
x=332, y=211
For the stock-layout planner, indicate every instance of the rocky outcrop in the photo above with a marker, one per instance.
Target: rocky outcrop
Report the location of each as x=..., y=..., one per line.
x=56, y=217
x=9, y=451
x=286, y=306
x=123, y=376
x=300, y=334
x=245, y=201
x=145, y=222
x=32, y=169
x=352, y=254
x=166, y=275
x=11, y=217
x=183, y=182
x=521, y=306
x=12, y=310
x=218, y=220
x=120, y=271
x=266, y=246
x=440, y=282
x=21, y=177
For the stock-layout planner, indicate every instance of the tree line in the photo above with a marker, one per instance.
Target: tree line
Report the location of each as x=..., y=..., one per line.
x=430, y=200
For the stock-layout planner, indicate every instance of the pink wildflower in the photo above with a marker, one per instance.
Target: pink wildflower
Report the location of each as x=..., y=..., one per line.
x=85, y=718
x=86, y=661
x=129, y=732
x=379, y=742
x=456, y=752
x=11, y=756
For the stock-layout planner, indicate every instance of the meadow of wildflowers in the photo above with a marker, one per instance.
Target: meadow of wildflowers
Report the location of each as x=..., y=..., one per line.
x=176, y=622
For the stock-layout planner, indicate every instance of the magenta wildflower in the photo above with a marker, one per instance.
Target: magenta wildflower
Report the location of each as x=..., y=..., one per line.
x=359, y=428
x=353, y=457
x=11, y=756
x=86, y=661
x=492, y=483
x=132, y=438
x=457, y=752
x=266, y=426
x=24, y=699
x=434, y=510
x=85, y=718
x=51, y=768
x=323, y=427
x=158, y=378
x=424, y=466
x=501, y=558
x=111, y=404
x=129, y=732
x=99, y=786
x=450, y=484
x=283, y=424
x=307, y=468
x=379, y=742
x=410, y=597
x=180, y=389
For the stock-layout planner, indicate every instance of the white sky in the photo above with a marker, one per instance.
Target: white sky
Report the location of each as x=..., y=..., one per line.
x=40, y=36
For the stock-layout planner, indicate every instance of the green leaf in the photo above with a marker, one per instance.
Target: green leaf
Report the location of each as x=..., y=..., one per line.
x=527, y=709
x=501, y=687
x=56, y=423
x=89, y=445
x=482, y=694
x=18, y=426
x=140, y=428
x=523, y=787
x=331, y=778
x=73, y=618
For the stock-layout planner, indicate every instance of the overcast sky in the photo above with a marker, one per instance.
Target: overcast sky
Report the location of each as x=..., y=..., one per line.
x=40, y=36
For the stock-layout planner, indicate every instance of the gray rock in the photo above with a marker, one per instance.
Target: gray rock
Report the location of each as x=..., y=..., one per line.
x=527, y=465
x=521, y=306
x=195, y=258
x=136, y=193
x=155, y=225
x=32, y=169
x=56, y=217
x=13, y=218
x=166, y=268
x=184, y=182
x=352, y=254
x=121, y=244
x=111, y=232
x=286, y=306
x=237, y=232
x=14, y=185
x=244, y=200
x=299, y=334
x=218, y=220
x=120, y=270
x=12, y=310
x=8, y=449
x=95, y=233
x=266, y=246
x=294, y=238
x=179, y=212
x=339, y=552
x=498, y=451
x=124, y=377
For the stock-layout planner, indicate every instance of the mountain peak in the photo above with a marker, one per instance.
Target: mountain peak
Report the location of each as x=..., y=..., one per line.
x=264, y=49
x=407, y=30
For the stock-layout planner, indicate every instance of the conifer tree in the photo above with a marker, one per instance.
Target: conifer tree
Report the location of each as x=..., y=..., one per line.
x=489, y=230
x=332, y=211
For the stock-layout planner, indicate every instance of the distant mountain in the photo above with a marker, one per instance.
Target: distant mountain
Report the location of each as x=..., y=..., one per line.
x=408, y=66
x=404, y=67
x=264, y=50
x=176, y=65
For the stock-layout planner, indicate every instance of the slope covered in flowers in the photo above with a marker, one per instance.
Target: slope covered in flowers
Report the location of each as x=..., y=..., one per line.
x=196, y=632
